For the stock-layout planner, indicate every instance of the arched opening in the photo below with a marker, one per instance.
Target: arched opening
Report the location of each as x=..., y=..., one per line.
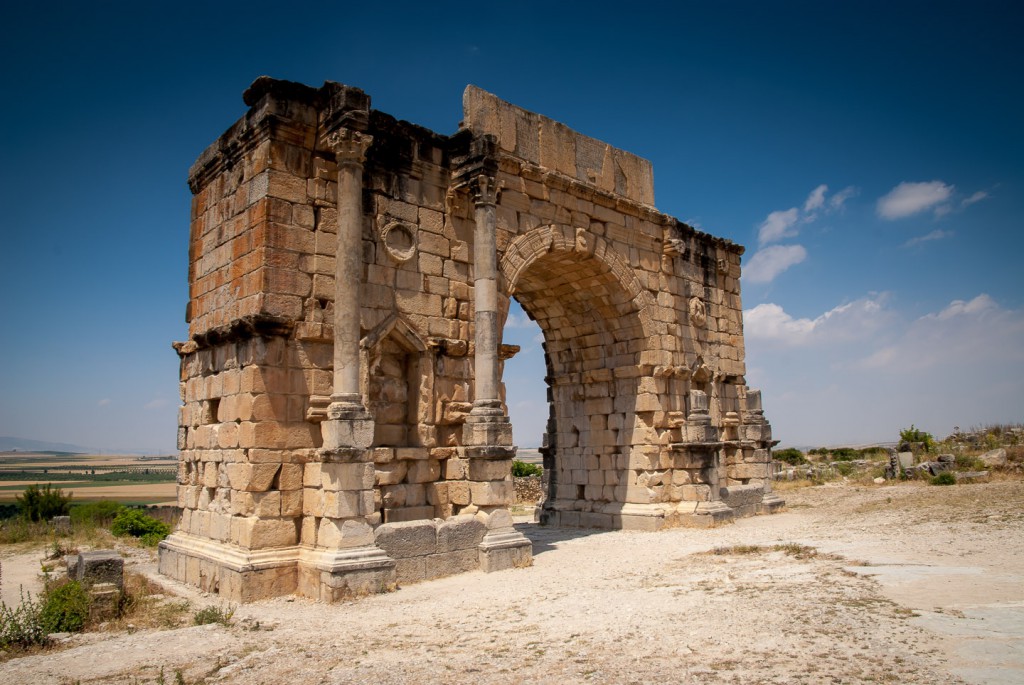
x=593, y=338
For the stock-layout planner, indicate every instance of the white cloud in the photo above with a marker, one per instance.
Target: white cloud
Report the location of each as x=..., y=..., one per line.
x=848, y=321
x=908, y=199
x=979, y=304
x=778, y=225
x=771, y=321
x=934, y=235
x=104, y=402
x=976, y=197
x=837, y=201
x=816, y=200
x=158, y=403
x=768, y=263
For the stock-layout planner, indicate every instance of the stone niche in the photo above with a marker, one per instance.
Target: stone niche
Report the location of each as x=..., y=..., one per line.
x=343, y=426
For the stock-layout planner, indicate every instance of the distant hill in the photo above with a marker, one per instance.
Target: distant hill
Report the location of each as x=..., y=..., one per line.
x=9, y=444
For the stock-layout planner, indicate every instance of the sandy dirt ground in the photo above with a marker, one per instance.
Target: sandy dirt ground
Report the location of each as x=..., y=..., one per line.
x=893, y=584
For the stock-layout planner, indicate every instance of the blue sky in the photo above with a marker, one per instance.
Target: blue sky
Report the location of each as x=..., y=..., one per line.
x=869, y=156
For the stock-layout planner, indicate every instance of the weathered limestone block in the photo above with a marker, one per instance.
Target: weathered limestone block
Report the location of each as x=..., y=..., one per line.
x=492, y=493
x=744, y=471
x=407, y=539
x=458, y=492
x=338, y=477
x=451, y=563
x=423, y=471
x=489, y=469
x=390, y=473
x=414, y=513
x=104, y=599
x=338, y=534
x=251, y=477
x=737, y=496
x=99, y=566
x=348, y=503
x=460, y=533
x=255, y=533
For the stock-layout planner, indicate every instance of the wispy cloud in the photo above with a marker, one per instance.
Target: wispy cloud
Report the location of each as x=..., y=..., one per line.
x=934, y=235
x=908, y=199
x=104, y=402
x=157, y=403
x=783, y=223
x=976, y=197
x=780, y=224
x=816, y=200
x=768, y=263
x=838, y=201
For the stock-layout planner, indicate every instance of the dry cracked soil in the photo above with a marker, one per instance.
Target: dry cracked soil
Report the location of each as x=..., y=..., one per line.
x=906, y=583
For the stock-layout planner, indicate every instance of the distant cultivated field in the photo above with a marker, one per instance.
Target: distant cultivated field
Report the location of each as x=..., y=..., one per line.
x=127, y=478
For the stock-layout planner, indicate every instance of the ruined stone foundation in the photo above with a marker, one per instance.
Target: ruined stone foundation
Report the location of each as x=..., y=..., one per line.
x=343, y=427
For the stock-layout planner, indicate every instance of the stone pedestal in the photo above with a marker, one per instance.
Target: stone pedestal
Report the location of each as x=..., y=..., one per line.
x=334, y=575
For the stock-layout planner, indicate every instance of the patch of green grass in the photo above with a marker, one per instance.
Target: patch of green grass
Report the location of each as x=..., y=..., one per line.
x=212, y=614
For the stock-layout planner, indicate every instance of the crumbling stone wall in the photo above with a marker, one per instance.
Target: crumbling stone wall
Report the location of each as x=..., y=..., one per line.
x=349, y=275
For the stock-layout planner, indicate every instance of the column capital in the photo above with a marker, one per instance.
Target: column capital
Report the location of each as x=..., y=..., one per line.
x=349, y=146
x=485, y=190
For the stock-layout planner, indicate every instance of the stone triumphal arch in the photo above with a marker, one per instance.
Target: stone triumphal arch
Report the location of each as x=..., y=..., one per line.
x=343, y=425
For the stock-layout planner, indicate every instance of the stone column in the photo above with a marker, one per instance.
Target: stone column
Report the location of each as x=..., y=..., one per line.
x=487, y=434
x=348, y=425
x=486, y=423
x=346, y=561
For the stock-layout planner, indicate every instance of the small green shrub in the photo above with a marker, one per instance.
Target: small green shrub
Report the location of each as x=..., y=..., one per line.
x=22, y=626
x=65, y=608
x=43, y=503
x=790, y=455
x=968, y=463
x=212, y=614
x=844, y=469
x=100, y=513
x=132, y=522
x=521, y=468
x=914, y=434
x=944, y=478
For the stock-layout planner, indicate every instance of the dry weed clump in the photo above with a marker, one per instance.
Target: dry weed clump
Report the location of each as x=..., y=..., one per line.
x=144, y=605
x=790, y=549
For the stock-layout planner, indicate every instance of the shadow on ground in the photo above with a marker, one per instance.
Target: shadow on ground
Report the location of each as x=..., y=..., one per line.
x=546, y=538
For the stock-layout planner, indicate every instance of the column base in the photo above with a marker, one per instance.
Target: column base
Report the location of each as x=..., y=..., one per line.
x=335, y=575
x=706, y=514
x=500, y=550
x=771, y=504
x=487, y=425
x=348, y=425
x=608, y=516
